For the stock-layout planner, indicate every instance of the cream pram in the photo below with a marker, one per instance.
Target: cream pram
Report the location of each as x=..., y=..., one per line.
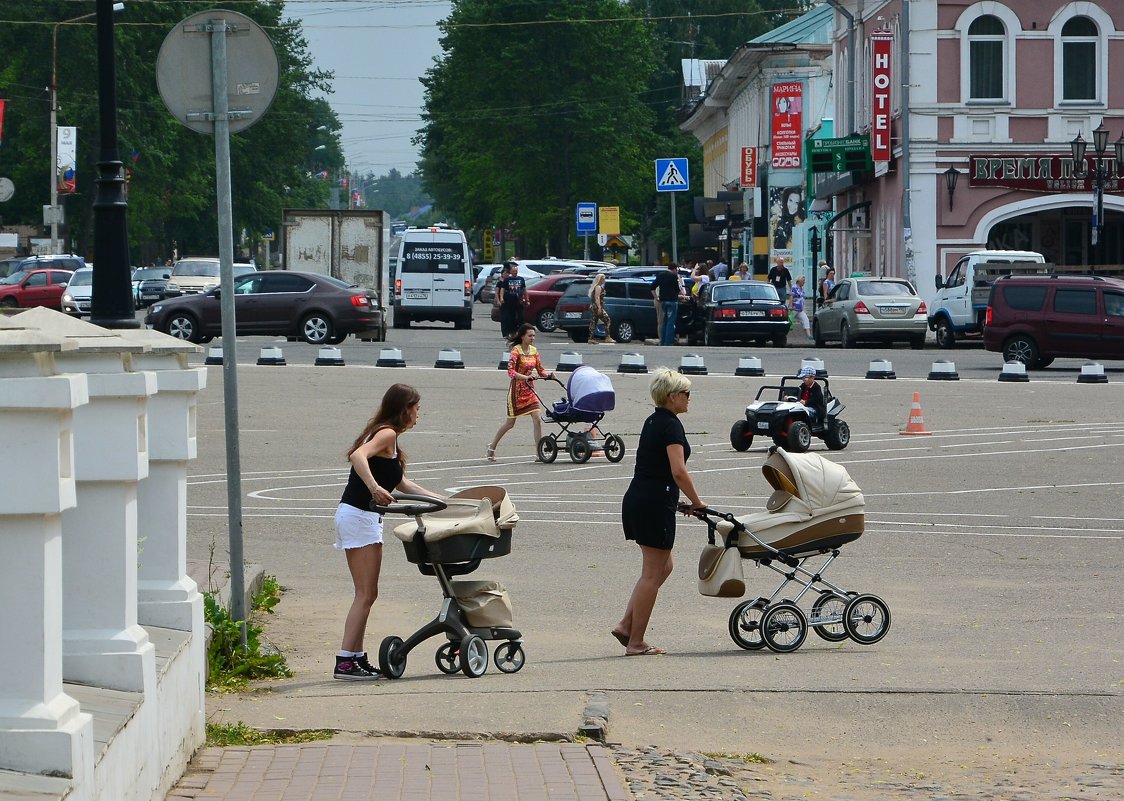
x=449, y=537
x=815, y=509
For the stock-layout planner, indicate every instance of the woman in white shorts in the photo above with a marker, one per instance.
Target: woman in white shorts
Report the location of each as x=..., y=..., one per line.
x=378, y=468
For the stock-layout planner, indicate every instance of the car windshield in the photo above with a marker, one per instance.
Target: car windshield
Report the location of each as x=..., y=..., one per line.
x=886, y=289
x=150, y=273
x=15, y=277
x=198, y=269
x=743, y=291
x=81, y=278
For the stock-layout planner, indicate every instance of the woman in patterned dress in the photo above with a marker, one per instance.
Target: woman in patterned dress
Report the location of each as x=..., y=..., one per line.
x=522, y=365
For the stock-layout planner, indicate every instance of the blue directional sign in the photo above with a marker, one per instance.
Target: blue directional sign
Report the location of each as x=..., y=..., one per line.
x=587, y=218
x=672, y=175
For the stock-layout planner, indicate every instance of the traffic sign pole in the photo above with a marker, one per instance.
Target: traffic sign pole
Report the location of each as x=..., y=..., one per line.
x=674, y=232
x=585, y=237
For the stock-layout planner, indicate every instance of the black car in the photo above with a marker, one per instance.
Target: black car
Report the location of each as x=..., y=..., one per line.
x=744, y=310
x=153, y=284
x=318, y=309
x=628, y=302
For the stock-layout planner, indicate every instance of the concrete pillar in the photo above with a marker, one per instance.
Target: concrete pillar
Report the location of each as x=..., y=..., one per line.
x=42, y=729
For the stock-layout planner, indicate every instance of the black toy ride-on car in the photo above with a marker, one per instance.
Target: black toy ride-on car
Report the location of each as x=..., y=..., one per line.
x=789, y=423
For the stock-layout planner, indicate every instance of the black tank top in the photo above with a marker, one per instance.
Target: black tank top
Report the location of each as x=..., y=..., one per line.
x=388, y=475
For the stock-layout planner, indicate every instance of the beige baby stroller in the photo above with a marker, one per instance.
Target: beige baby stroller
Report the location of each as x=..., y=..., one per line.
x=449, y=538
x=815, y=509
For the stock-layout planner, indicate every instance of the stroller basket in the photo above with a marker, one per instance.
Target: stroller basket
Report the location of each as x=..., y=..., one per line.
x=476, y=525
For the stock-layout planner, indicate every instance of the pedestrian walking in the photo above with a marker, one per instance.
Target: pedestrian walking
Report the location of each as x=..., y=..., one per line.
x=512, y=293
x=797, y=303
x=667, y=291
x=522, y=365
x=597, y=311
x=781, y=279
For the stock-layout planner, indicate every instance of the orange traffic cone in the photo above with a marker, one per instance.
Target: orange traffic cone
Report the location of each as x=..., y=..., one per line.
x=916, y=424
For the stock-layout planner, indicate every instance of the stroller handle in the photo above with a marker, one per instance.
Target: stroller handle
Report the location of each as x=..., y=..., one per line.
x=412, y=505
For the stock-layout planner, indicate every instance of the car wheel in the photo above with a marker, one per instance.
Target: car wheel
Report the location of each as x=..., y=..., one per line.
x=10, y=302
x=624, y=331
x=316, y=329
x=846, y=340
x=401, y=320
x=463, y=323
x=1044, y=361
x=580, y=335
x=780, y=340
x=336, y=339
x=945, y=337
x=183, y=326
x=710, y=338
x=1021, y=349
x=817, y=334
x=918, y=342
x=546, y=322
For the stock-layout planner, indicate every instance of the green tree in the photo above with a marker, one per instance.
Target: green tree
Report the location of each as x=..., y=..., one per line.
x=395, y=193
x=535, y=106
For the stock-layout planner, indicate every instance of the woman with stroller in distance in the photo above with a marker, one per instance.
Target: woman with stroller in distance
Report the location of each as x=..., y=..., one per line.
x=378, y=467
x=522, y=365
x=597, y=311
x=649, y=505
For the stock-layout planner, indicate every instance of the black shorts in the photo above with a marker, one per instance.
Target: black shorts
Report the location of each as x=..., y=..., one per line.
x=648, y=513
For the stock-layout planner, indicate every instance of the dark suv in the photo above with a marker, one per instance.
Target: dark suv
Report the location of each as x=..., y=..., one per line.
x=628, y=302
x=1034, y=319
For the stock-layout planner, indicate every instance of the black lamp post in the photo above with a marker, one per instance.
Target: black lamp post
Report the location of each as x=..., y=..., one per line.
x=1100, y=176
x=112, y=302
x=815, y=248
x=951, y=176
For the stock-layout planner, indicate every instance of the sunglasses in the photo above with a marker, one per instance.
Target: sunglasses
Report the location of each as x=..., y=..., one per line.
x=685, y=393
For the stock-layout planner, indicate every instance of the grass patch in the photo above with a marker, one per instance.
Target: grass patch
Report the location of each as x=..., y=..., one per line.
x=221, y=735
x=229, y=665
x=755, y=759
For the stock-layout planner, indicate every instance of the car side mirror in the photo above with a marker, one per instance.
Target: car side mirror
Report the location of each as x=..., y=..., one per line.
x=938, y=281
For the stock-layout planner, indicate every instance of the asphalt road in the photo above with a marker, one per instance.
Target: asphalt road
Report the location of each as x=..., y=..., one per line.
x=996, y=543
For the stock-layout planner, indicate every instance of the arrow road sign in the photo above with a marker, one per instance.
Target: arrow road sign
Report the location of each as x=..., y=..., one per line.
x=587, y=218
x=672, y=175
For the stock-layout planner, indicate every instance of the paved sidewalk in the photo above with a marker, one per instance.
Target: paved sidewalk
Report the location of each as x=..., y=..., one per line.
x=400, y=771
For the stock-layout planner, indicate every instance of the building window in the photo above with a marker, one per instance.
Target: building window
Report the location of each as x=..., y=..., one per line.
x=1079, y=59
x=986, y=42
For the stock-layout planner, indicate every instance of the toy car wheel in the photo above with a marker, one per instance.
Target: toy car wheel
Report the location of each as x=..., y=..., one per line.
x=827, y=616
x=867, y=619
x=448, y=658
x=547, y=449
x=784, y=627
x=741, y=437
x=474, y=656
x=392, y=663
x=837, y=436
x=745, y=624
x=580, y=450
x=509, y=657
x=799, y=437
x=614, y=448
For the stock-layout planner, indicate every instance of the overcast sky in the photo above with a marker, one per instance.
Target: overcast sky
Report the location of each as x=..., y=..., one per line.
x=377, y=49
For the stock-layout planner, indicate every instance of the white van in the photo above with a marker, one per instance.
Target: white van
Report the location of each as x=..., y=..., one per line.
x=433, y=277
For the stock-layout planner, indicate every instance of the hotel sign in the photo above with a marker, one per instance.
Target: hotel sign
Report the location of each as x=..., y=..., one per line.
x=881, y=55
x=1040, y=173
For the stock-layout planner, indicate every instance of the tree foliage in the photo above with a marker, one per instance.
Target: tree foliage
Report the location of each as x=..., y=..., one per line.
x=398, y=195
x=171, y=170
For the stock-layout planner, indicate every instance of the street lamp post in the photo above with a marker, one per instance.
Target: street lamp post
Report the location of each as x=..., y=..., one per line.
x=1100, y=177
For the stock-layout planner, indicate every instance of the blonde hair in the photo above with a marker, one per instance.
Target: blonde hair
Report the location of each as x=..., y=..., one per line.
x=800, y=280
x=665, y=383
x=598, y=280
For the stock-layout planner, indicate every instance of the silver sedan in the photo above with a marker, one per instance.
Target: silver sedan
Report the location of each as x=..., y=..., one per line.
x=882, y=309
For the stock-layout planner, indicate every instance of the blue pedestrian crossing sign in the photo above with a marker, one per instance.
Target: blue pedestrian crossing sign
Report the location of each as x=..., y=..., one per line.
x=587, y=218
x=672, y=175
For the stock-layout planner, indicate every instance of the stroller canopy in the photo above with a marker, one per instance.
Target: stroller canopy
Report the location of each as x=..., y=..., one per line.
x=820, y=483
x=590, y=391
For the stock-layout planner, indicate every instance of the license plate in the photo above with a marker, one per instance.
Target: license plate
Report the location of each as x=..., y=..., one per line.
x=751, y=314
x=762, y=426
x=892, y=311
x=571, y=315
x=415, y=295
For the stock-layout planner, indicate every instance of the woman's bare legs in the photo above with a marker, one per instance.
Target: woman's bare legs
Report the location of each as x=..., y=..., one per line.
x=657, y=565
x=536, y=421
x=506, y=426
x=365, y=565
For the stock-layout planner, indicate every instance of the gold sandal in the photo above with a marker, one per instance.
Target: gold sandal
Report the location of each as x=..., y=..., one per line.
x=490, y=454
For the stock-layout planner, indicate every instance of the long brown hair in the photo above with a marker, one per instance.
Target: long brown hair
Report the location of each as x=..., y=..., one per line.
x=390, y=414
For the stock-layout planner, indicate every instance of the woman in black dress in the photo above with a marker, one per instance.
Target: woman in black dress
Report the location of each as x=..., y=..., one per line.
x=648, y=509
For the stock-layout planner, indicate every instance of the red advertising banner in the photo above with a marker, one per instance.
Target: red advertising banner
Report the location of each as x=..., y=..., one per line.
x=788, y=108
x=881, y=52
x=749, y=166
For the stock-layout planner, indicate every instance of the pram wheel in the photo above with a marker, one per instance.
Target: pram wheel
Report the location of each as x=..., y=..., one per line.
x=614, y=448
x=392, y=663
x=509, y=656
x=867, y=619
x=580, y=451
x=745, y=624
x=828, y=615
x=784, y=627
x=548, y=449
x=474, y=656
x=448, y=658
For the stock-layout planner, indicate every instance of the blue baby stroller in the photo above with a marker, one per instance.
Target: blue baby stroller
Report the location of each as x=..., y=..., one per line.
x=589, y=395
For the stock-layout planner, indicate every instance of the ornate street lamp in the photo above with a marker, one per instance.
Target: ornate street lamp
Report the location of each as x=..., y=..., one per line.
x=1099, y=175
x=951, y=176
x=1077, y=150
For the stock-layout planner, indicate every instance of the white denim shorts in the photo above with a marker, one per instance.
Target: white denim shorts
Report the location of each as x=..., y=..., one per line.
x=356, y=528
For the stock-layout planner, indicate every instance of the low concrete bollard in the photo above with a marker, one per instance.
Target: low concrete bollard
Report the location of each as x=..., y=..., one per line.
x=632, y=363
x=505, y=357
x=1092, y=373
x=450, y=359
x=214, y=355
x=271, y=355
x=943, y=370
x=749, y=366
x=692, y=364
x=569, y=361
x=1014, y=371
x=329, y=357
x=881, y=368
x=390, y=357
